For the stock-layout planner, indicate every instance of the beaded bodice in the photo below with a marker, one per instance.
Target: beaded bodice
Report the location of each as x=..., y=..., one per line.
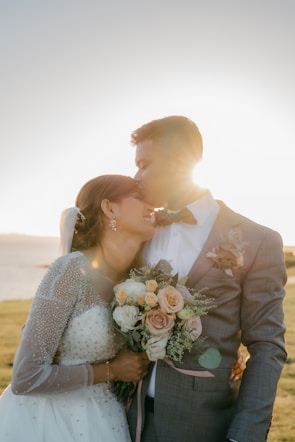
x=70, y=317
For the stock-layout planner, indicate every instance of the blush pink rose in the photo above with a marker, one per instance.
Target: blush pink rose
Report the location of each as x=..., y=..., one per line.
x=184, y=291
x=158, y=322
x=170, y=299
x=193, y=326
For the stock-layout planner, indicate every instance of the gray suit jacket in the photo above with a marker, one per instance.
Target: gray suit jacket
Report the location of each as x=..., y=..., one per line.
x=248, y=310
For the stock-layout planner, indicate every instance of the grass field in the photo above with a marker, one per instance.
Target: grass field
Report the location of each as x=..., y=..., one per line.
x=14, y=313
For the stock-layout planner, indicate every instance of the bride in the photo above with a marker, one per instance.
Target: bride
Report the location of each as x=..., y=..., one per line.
x=70, y=317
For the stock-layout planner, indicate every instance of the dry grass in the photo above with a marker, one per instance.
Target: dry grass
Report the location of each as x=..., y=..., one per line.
x=14, y=313
x=12, y=317
x=283, y=426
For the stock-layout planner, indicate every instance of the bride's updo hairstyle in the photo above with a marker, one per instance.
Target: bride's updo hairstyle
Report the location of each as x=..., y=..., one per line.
x=90, y=223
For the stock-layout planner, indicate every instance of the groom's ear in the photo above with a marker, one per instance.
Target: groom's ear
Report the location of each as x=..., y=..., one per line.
x=107, y=207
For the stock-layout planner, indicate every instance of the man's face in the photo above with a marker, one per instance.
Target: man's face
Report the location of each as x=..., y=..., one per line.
x=156, y=173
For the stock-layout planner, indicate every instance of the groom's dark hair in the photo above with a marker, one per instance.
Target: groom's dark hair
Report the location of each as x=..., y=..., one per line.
x=178, y=135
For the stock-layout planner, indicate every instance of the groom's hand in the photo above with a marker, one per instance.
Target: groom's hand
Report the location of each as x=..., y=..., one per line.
x=238, y=368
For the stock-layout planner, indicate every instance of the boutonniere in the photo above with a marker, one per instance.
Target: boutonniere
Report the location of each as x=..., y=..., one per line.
x=229, y=254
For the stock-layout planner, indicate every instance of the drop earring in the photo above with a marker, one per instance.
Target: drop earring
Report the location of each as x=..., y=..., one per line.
x=113, y=224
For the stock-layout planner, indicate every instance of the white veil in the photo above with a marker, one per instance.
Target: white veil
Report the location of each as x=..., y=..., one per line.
x=67, y=227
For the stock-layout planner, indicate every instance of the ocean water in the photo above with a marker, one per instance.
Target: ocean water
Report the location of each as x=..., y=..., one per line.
x=24, y=261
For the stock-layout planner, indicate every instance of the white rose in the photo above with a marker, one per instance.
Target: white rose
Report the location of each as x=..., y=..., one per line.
x=156, y=347
x=126, y=317
x=129, y=289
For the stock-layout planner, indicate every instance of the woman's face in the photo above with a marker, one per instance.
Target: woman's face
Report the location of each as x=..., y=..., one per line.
x=135, y=216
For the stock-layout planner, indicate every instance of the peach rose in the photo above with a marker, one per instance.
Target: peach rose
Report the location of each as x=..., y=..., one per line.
x=170, y=299
x=158, y=322
x=151, y=299
x=151, y=285
x=141, y=300
x=121, y=296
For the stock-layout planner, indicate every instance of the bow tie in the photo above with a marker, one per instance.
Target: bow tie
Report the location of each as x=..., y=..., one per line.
x=163, y=218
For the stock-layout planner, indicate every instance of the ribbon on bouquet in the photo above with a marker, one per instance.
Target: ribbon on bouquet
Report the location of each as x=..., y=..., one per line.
x=195, y=373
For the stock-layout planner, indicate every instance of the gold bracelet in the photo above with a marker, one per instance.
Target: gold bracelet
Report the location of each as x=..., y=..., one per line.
x=108, y=373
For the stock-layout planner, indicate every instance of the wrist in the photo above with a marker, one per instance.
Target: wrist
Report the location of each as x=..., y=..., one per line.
x=107, y=364
x=111, y=372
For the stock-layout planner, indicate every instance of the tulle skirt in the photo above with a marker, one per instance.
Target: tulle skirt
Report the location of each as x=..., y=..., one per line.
x=92, y=414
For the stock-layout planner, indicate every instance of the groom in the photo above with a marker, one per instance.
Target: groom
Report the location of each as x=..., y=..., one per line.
x=241, y=264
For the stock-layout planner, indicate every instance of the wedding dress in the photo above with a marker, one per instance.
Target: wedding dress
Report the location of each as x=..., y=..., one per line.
x=47, y=402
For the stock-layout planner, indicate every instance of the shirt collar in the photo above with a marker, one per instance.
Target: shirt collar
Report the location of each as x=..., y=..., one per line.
x=204, y=207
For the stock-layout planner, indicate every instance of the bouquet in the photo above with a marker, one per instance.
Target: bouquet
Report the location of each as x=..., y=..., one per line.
x=158, y=314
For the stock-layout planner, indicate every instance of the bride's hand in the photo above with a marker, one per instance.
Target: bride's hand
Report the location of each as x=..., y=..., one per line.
x=129, y=366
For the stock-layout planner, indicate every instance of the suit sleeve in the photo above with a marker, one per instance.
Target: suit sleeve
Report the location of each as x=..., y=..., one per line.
x=262, y=326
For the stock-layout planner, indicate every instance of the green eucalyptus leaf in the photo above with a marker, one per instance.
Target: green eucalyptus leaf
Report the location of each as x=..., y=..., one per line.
x=174, y=280
x=210, y=359
x=163, y=266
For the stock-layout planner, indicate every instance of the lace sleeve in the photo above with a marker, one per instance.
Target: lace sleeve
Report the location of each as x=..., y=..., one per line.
x=34, y=370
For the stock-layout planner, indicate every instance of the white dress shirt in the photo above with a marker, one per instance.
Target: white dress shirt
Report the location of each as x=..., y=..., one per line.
x=181, y=243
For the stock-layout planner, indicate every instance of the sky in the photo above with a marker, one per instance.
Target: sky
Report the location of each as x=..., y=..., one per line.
x=78, y=77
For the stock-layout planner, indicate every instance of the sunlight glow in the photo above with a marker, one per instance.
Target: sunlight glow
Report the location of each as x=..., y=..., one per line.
x=95, y=264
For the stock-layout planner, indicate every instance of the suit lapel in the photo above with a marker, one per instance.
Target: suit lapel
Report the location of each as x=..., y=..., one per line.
x=225, y=220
